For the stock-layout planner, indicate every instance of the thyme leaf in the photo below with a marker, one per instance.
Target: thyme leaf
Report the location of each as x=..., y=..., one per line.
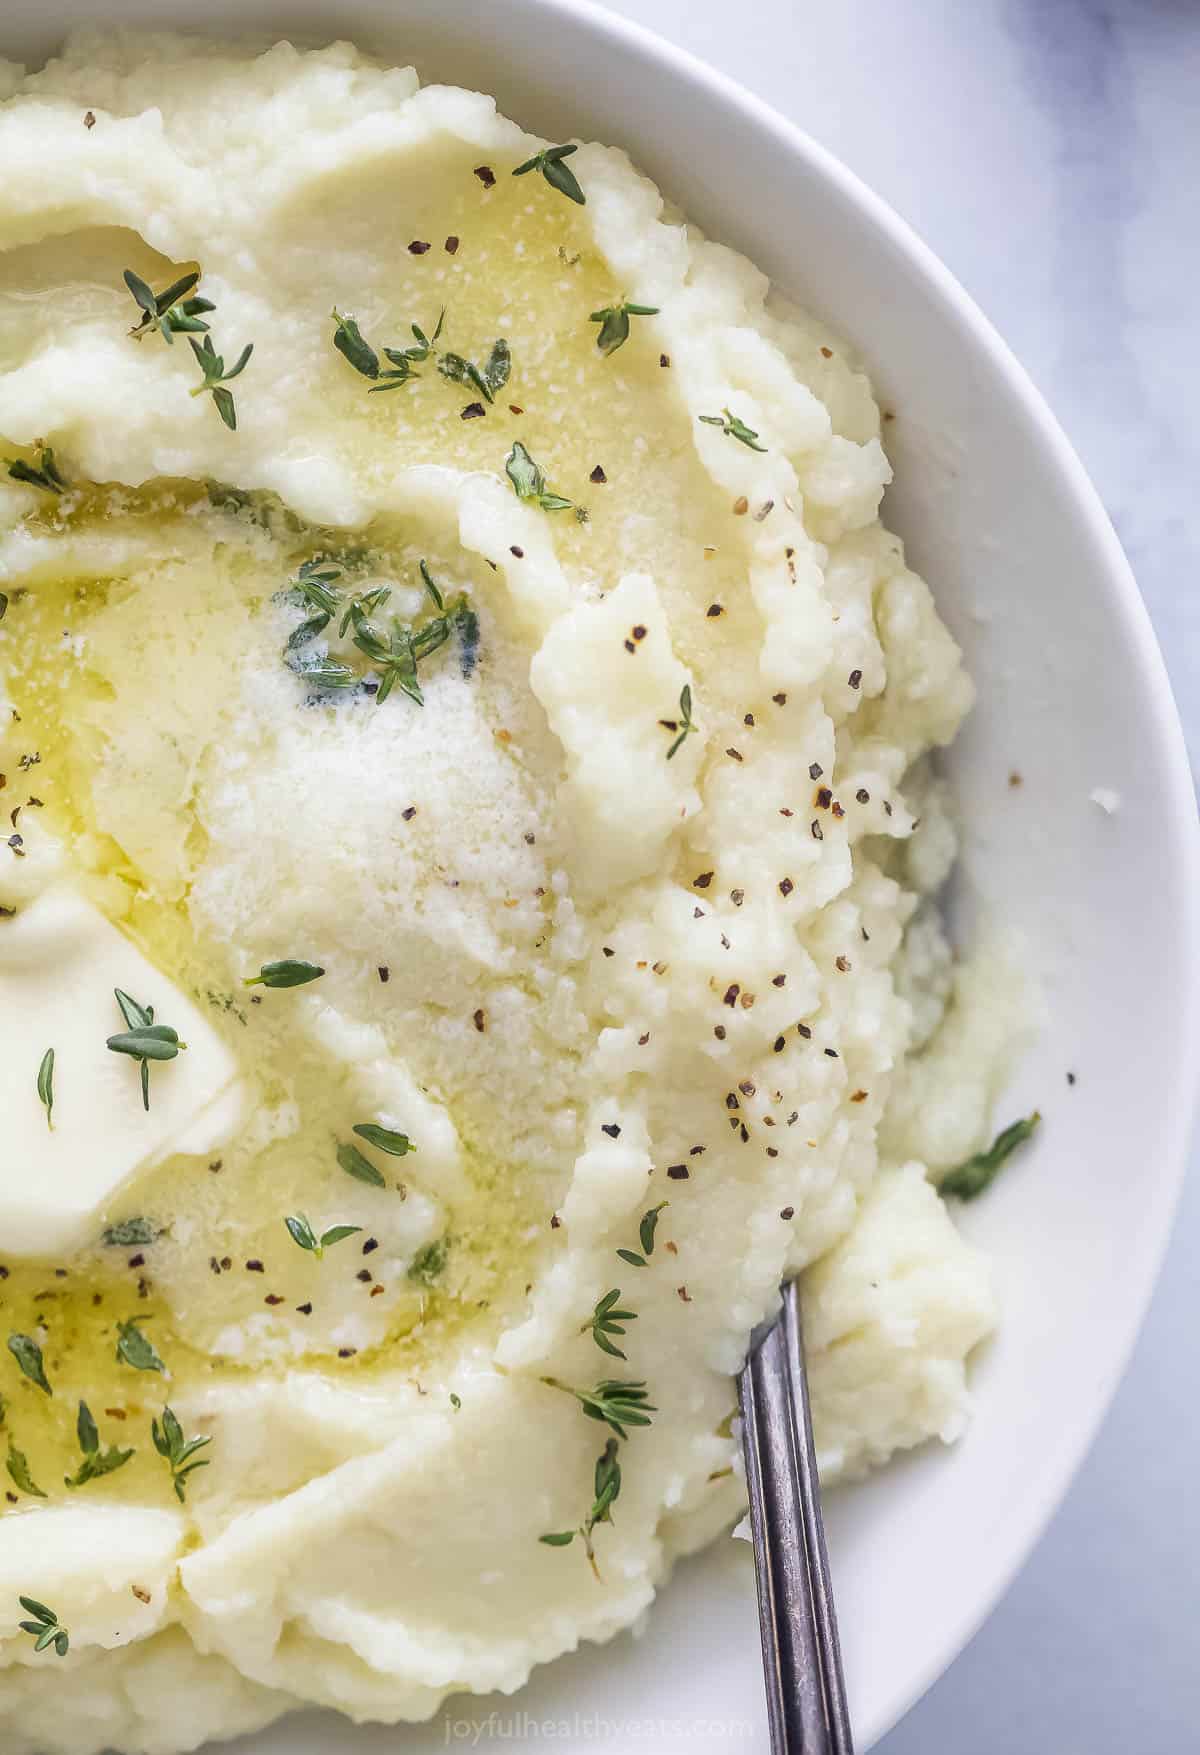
x=397, y=1144
x=979, y=1172
x=18, y=1470
x=45, y=1086
x=429, y=1262
x=130, y=1233
x=348, y=339
x=560, y=176
x=291, y=972
x=649, y=1225
x=28, y=1356
x=134, y=1349
x=354, y=1164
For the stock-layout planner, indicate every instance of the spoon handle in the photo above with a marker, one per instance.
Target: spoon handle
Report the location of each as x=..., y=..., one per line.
x=802, y=1661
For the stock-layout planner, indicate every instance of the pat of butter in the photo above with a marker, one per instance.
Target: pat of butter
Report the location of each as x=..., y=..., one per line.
x=60, y=960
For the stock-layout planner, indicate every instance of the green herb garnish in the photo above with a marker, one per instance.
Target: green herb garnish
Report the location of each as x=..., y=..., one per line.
x=46, y=476
x=607, y=1319
x=3, y=605
x=614, y=323
x=45, y=1086
x=348, y=339
x=292, y=972
x=978, y=1173
x=170, y=1443
x=733, y=428
x=45, y=1626
x=559, y=175
x=685, y=724
x=171, y=312
x=326, y=673
x=607, y=1488
x=646, y=1230
x=302, y=1234
x=529, y=482
x=493, y=375
x=429, y=1262
x=397, y=655
x=130, y=1233
x=134, y=1349
x=614, y=1403
x=96, y=1462
x=28, y=1356
x=18, y=1470
x=143, y=1040
x=212, y=365
x=397, y=1144
x=362, y=1169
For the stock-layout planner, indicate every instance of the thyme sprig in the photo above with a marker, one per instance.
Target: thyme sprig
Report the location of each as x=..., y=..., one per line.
x=45, y=475
x=685, y=724
x=396, y=652
x=529, y=481
x=615, y=1403
x=733, y=428
x=493, y=375
x=96, y=1462
x=179, y=1452
x=143, y=1040
x=979, y=1172
x=560, y=176
x=45, y=1627
x=614, y=323
x=170, y=312
x=212, y=365
x=302, y=1234
x=607, y=1488
x=487, y=378
x=609, y=1319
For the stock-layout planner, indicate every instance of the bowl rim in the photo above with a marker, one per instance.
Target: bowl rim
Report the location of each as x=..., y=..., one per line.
x=1148, y=1249
x=1166, y=747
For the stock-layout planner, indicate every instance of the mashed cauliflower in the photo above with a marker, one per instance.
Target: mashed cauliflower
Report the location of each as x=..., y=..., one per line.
x=591, y=797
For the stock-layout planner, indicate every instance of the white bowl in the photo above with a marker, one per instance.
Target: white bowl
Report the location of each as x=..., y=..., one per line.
x=999, y=516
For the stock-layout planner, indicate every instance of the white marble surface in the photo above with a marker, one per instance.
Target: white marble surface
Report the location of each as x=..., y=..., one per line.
x=1048, y=151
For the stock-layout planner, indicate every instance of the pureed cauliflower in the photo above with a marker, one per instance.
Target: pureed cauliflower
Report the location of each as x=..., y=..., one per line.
x=539, y=709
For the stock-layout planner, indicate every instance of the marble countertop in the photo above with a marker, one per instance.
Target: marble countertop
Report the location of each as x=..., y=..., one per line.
x=1047, y=149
